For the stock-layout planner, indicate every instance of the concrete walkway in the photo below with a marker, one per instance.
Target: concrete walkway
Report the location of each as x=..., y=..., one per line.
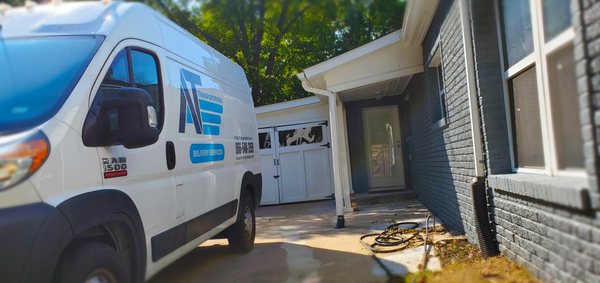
x=297, y=243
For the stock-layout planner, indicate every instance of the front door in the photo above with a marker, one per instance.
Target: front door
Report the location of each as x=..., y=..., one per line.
x=383, y=148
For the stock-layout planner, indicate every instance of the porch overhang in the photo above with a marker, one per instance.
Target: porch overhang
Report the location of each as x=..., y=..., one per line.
x=380, y=68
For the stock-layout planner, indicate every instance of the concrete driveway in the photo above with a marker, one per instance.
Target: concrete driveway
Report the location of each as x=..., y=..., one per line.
x=297, y=243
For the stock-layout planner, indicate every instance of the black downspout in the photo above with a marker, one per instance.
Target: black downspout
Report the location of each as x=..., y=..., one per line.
x=486, y=235
x=483, y=225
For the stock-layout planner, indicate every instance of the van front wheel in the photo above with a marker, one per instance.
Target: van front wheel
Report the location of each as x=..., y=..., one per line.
x=92, y=262
x=242, y=233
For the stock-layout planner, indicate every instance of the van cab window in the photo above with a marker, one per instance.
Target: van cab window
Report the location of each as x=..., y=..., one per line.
x=145, y=75
x=118, y=73
x=135, y=68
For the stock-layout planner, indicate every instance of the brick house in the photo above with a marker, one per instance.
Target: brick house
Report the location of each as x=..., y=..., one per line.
x=490, y=112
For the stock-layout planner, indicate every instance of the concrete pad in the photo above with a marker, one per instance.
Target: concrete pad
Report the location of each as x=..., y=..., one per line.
x=297, y=243
x=406, y=261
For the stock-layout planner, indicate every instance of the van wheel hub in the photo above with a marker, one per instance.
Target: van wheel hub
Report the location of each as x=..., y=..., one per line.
x=101, y=276
x=248, y=225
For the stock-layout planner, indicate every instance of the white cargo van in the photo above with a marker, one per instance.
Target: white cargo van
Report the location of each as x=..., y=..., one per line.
x=125, y=142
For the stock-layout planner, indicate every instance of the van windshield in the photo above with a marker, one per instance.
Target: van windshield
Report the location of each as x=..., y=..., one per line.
x=37, y=75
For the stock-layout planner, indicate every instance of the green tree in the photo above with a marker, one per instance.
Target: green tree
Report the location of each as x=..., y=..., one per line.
x=362, y=21
x=273, y=40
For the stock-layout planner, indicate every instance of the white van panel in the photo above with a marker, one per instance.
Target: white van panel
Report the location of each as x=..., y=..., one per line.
x=175, y=41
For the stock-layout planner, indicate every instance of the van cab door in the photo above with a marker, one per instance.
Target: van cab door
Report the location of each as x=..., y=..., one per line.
x=142, y=173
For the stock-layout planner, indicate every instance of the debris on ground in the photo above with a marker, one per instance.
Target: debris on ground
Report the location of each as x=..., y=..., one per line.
x=462, y=262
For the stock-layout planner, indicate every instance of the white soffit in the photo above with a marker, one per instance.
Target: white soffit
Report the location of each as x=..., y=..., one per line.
x=382, y=89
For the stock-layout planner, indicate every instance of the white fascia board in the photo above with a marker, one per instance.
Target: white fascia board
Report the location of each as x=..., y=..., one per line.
x=288, y=104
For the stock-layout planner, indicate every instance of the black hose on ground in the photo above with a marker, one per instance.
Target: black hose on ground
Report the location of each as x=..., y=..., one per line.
x=390, y=237
x=483, y=227
x=393, y=236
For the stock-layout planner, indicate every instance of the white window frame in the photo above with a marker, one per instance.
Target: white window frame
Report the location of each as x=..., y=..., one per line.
x=435, y=61
x=538, y=58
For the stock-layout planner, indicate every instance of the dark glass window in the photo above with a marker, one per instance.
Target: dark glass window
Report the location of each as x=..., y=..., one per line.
x=518, y=36
x=300, y=136
x=264, y=140
x=565, y=108
x=526, y=115
x=557, y=17
x=145, y=75
x=118, y=73
x=143, y=68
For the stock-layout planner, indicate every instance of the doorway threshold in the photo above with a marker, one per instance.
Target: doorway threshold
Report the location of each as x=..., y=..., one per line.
x=378, y=190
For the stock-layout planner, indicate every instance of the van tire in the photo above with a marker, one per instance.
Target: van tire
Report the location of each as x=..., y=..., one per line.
x=89, y=260
x=242, y=233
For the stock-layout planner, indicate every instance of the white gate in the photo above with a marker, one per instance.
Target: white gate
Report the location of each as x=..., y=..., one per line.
x=295, y=163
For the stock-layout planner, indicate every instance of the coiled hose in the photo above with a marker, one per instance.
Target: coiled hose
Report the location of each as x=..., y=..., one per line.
x=394, y=235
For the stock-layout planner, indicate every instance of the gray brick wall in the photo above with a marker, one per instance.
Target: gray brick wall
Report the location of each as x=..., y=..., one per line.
x=441, y=159
x=548, y=224
x=555, y=243
x=543, y=222
x=587, y=55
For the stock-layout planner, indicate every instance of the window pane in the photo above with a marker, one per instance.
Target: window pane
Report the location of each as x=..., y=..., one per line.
x=526, y=114
x=118, y=73
x=264, y=140
x=557, y=17
x=440, y=78
x=518, y=39
x=565, y=108
x=145, y=76
x=300, y=136
x=433, y=87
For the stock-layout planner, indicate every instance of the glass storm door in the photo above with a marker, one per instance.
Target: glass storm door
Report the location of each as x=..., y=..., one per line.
x=383, y=148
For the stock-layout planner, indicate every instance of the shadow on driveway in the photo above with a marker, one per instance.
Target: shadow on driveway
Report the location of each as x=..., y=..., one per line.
x=297, y=243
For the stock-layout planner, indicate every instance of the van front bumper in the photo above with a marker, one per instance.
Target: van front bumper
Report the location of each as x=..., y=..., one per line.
x=32, y=238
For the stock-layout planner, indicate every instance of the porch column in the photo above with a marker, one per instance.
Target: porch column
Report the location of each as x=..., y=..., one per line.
x=335, y=154
x=344, y=156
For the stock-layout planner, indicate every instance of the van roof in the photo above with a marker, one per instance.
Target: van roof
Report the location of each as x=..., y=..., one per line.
x=116, y=21
x=61, y=19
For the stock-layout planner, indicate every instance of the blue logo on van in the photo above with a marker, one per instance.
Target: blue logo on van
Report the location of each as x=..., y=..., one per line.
x=206, y=152
x=201, y=109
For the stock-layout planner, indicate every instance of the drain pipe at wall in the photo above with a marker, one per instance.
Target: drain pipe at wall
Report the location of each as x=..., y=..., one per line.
x=333, y=122
x=483, y=227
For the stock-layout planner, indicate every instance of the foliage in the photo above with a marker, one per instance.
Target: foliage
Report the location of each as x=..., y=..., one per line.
x=273, y=40
x=13, y=2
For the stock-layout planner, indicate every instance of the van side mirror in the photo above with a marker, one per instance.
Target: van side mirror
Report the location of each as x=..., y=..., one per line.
x=121, y=117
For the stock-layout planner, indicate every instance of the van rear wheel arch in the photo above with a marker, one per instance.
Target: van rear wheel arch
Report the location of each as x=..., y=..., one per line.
x=252, y=183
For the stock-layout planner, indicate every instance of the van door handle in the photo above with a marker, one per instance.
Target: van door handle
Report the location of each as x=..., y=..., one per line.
x=171, y=160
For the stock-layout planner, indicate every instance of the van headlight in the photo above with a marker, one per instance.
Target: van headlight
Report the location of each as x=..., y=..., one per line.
x=21, y=157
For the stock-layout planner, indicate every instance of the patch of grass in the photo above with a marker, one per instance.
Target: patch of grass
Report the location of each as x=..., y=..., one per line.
x=462, y=262
x=456, y=251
